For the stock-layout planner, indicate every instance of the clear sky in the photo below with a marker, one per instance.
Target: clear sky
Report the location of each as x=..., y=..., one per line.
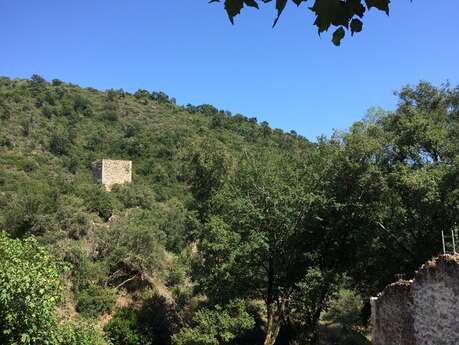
x=288, y=76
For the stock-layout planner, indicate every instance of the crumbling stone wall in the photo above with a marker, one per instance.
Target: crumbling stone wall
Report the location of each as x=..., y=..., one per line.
x=392, y=318
x=421, y=311
x=110, y=172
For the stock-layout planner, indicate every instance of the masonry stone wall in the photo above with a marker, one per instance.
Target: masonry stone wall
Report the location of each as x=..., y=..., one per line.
x=110, y=172
x=421, y=311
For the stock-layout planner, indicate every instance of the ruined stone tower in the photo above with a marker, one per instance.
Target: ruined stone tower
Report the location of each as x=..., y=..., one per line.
x=110, y=172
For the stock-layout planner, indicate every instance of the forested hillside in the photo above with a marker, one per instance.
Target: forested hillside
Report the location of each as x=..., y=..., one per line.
x=230, y=233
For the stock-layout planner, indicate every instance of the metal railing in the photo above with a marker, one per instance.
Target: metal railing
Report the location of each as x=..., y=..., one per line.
x=449, y=241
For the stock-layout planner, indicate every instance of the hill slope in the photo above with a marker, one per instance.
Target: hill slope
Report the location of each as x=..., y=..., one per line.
x=137, y=235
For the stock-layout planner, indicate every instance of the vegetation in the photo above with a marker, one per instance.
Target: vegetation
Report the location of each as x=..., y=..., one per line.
x=216, y=326
x=231, y=232
x=343, y=15
x=31, y=289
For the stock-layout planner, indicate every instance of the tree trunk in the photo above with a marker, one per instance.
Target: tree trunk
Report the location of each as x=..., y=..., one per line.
x=272, y=328
x=315, y=338
x=273, y=314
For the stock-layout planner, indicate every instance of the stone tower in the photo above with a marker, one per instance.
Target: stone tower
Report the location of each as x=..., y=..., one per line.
x=110, y=172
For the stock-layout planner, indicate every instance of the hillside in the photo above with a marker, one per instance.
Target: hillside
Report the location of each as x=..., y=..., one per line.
x=50, y=135
x=230, y=233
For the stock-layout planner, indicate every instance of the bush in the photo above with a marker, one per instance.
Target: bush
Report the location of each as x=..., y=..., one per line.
x=173, y=219
x=94, y=300
x=345, y=309
x=111, y=111
x=30, y=289
x=60, y=143
x=153, y=324
x=72, y=219
x=82, y=105
x=158, y=320
x=123, y=329
x=85, y=271
x=100, y=201
x=216, y=326
x=27, y=210
x=133, y=244
x=80, y=333
x=134, y=195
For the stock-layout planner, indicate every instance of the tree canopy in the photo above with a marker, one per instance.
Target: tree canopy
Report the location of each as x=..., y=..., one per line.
x=341, y=14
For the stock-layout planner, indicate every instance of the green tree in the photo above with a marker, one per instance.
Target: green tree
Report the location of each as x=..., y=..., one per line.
x=390, y=181
x=255, y=243
x=209, y=166
x=309, y=299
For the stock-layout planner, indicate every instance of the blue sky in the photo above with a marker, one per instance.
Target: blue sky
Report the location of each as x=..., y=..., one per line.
x=288, y=76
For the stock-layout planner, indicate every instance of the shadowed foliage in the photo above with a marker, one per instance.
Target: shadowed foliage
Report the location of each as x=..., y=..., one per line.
x=340, y=14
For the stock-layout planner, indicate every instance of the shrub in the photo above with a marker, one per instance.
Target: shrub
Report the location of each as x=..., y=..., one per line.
x=111, y=111
x=216, y=326
x=153, y=324
x=72, y=219
x=134, y=243
x=345, y=309
x=5, y=141
x=57, y=82
x=100, y=201
x=27, y=210
x=60, y=143
x=134, y=195
x=30, y=289
x=82, y=105
x=85, y=271
x=81, y=333
x=182, y=295
x=5, y=111
x=94, y=300
x=123, y=328
x=158, y=320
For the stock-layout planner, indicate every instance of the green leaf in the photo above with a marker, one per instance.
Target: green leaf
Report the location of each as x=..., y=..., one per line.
x=280, y=6
x=330, y=12
x=298, y=2
x=233, y=8
x=323, y=11
x=338, y=35
x=356, y=25
x=251, y=3
x=356, y=8
x=382, y=5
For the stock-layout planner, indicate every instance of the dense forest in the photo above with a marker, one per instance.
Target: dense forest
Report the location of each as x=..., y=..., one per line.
x=230, y=233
